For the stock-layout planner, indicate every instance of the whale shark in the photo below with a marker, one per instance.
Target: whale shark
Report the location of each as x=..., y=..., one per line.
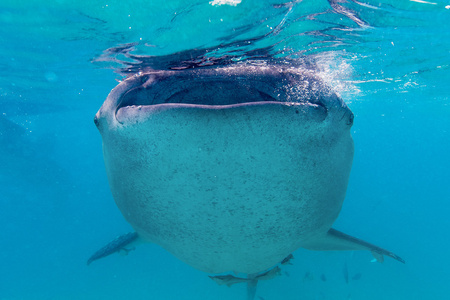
x=230, y=168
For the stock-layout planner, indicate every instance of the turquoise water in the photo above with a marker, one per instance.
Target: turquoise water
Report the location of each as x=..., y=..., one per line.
x=389, y=60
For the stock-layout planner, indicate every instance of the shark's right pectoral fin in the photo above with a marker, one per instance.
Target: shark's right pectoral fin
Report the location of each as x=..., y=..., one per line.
x=336, y=240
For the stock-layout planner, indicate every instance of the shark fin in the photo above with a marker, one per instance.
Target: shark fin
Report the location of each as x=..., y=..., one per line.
x=336, y=240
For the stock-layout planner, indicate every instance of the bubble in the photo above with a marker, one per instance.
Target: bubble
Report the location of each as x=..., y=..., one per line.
x=51, y=77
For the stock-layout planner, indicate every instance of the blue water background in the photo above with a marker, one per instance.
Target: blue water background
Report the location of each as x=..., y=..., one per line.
x=55, y=205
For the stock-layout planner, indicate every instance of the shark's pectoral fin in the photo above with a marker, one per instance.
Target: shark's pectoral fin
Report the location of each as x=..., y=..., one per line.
x=336, y=240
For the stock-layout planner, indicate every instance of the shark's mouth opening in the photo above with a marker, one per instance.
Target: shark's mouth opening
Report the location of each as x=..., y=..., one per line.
x=223, y=90
x=219, y=89
x=204, y=93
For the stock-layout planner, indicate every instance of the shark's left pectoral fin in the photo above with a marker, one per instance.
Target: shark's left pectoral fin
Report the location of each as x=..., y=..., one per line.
x=336, y=240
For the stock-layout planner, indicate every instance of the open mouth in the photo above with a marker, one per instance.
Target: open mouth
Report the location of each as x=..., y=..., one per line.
x=208, y=92
x=138, y=97
x=217, y=90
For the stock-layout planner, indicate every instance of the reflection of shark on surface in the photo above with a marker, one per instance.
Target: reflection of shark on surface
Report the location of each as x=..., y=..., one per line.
x=264, y=149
